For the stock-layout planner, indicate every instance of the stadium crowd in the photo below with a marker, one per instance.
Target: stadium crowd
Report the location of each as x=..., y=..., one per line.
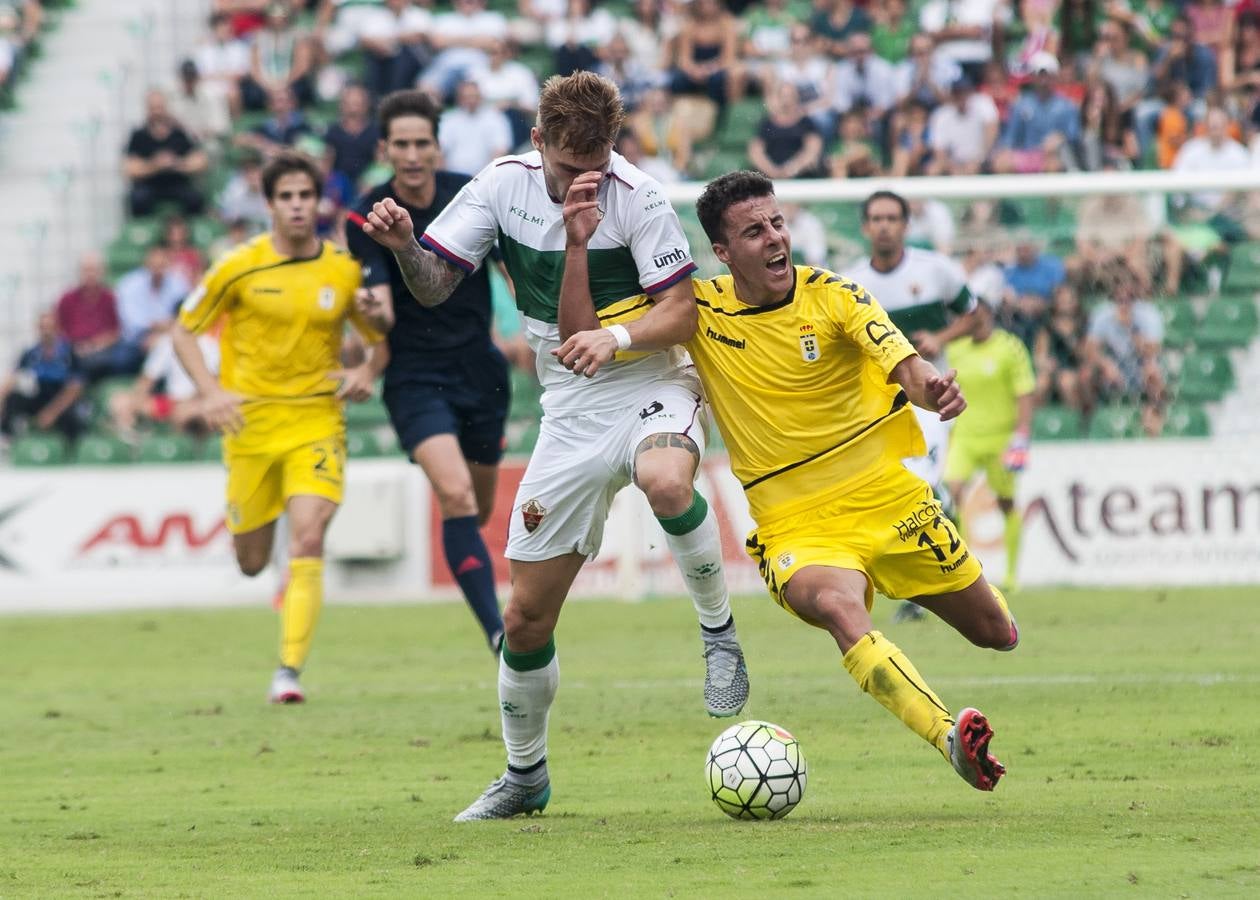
x=832, y=88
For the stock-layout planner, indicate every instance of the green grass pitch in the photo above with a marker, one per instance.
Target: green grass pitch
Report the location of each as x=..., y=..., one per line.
x=138, y=759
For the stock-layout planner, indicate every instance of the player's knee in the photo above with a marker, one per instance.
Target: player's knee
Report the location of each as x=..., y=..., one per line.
x=993, y=631
x=251, y=564
x=527, y=627
x=843, y=613
x=455, y=499
x=669, y=492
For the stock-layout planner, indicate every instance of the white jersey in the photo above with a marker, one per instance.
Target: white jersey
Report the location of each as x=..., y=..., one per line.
x=638, y=250
x=922, y=293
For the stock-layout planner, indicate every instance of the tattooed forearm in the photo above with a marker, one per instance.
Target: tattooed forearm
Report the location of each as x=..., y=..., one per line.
x=662, y=441
x=429, y=279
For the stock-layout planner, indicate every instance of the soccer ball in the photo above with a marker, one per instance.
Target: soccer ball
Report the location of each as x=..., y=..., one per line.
x=756, y=770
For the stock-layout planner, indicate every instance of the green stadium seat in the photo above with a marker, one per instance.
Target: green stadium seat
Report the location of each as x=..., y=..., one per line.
x=1056, y=423
x=1244, y=267
x=1228, y=322
x=39, y=450
x=1181, y=322
x=1187, y=420
x=367, y=415
x=167, y=448
x=1206, y=375
x=101, y=450
x=1110, y=423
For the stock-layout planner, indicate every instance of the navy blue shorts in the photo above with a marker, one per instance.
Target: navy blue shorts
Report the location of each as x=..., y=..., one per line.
x=464, y=394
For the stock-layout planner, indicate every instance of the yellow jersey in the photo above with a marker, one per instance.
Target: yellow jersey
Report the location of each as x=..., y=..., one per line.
x=800, y=389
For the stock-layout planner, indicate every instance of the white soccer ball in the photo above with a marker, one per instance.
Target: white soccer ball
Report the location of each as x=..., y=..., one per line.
x=756, y=770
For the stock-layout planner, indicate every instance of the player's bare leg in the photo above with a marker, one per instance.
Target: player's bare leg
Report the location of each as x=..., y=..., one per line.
x=485, y=480
x=529, y=673
x=835, y=599
x=978, y=612
x=665, y=468
x=253, y=548
x=308, y=519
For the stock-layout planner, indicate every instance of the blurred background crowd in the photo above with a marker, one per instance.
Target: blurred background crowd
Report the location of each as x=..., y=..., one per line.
x=1130, y=304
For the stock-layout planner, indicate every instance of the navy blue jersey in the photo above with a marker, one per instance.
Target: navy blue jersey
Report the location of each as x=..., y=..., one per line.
x=423, y=336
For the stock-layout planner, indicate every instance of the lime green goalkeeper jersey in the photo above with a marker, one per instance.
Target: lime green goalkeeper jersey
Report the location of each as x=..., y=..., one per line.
x=993, y=375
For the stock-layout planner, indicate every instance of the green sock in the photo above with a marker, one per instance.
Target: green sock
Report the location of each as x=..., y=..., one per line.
x=689, y=519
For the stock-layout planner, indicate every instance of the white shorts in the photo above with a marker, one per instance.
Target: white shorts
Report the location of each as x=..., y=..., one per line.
x=931, y=468
x=581, y=462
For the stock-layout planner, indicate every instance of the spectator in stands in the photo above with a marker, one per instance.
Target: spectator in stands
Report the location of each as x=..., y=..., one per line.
x=661, y=131
x=1043, y=125
x=893, y=30
x=864, y=81
x=1215, y=151
x=629, y=146
x=87, y=316
x=575, y=37
x=1172, y=123
x=911, y=143
x=1107, y=129
x=238, y=231
x=1148, y=22
x=462, y=39
x=1113, y=230
x=43, y=390
x=186, y=259
x=282, y=128
x=148, y=298
x=1034, y=272
x=810, y=72
x=925, y=76
x=533, y=16
x=620, y=66
x=856, y=155
x=1212, y=25
x=242, y=197
x=1123, y=349
x=1059, y=354
x=201, y=107
x=164, y=392
x=767, y=29
x=809, y=237
x=1120, y=66
x=223, y=61
x=1000, y=87
x=835, y=22
x=161, y=162
x=963, y=29
x=652, y=33
x=1078, y=28
x=787, y=143
x=1180, y=59
x=963, y=131
x=395, y=49
x=1240, y=63
x=472, y=132
x=350, y=142
x=510, y=86
x=1041, y=33
x=280, y=58
x=707, y=60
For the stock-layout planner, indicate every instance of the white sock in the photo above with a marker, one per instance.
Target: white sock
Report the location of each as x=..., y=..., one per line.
x=698, y=554
x=524, y=701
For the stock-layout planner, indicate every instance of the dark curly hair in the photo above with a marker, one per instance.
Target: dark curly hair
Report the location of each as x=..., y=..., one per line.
x=406, y=103
x=723, y=192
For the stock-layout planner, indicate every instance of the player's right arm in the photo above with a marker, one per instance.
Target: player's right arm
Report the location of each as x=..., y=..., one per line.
x=428, y=277
x=212, y=298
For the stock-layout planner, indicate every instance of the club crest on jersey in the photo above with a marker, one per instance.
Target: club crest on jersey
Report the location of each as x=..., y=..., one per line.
x=809, y=343
x=532, y=513
x=327, y=298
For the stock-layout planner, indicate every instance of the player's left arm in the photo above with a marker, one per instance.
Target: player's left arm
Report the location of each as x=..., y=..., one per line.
x=929, y=389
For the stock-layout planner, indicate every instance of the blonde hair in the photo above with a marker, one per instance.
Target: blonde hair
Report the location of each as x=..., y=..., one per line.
x=581, y=112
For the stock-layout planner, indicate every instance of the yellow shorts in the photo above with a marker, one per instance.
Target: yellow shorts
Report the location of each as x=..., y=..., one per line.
x=967, y=457
x=892, y=529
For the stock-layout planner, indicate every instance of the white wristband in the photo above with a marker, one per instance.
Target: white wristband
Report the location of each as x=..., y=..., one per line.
x=622, y=336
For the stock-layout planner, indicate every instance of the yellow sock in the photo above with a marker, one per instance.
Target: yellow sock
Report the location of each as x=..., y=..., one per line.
x=302, y=600
x=883, y=671
x=1013, y=534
